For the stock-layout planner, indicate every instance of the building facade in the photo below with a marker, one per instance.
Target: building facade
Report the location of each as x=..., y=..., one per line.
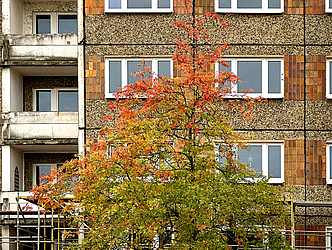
x=63, y=60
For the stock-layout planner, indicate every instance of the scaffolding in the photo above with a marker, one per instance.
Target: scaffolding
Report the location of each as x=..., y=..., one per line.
x=41, y=229
x=38, y=230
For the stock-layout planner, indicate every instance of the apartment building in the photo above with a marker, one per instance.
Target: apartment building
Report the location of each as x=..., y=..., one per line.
x=39, y=98
x=63, y=60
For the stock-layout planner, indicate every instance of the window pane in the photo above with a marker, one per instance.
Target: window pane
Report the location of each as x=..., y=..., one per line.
x=42, y=170
x=115, y=4
x=133, y=67
x=224, y=3
x=164, y=4
x=164, y=68
x=115, y=76
x=253, y=158
x=228, y=69
x=250, y=72
x=249, y=4
x=274, y=4
x=330, y=4
x=43, y=100
x=274, y=69
x=43, y=24
x=139, y=4
x=67, y=100
x=274, y=159
x=331, y=76
x=330, y=162
x=67, y=24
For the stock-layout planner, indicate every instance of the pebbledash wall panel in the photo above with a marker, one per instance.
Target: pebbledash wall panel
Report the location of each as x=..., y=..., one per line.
x=301, y=36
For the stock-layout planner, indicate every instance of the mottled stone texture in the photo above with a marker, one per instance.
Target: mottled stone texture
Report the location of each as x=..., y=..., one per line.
x=272, y=114
x=295, y=162
x=92, y=134
x=95, y=111
x=31, y=82
x=318, y=115
x=318, y=29
x=35, y=158
x=159, y=29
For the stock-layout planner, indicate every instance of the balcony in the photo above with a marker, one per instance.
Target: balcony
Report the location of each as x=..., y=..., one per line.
x=40, y=47
x=40, y=125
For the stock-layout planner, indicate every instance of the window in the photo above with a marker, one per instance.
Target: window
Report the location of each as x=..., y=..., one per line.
x=42, y=169
x=250, y=6
x=138, y=6
x=119, y=72
x=329, y=162
x=263, y=76
x=55, y=23
x=328, y=237
x=328, y=6
x=55, y=99
x=329, y=79
x=264, y=158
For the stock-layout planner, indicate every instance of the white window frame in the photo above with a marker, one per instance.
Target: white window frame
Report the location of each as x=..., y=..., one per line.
x=328, y=76
x=234, y=8
x=154, y=69
x=54, y=20
x=328, y=162
x=265, y=88
x=154, y=8
x=34, y=169
x=328, y=237
x=328, y=8
x=54, y=98
x=265, y=162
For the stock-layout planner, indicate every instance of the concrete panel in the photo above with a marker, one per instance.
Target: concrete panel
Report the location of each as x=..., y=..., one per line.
x=42, y=39
x=40, y=125
x=41, y=117
x=41, y=131
x=68, y=51
x=10, y=159
x=16, y=16
x=16, y=91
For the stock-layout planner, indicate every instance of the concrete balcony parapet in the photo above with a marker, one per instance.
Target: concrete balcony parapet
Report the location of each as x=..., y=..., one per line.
x=41, y=46
x=39, y=125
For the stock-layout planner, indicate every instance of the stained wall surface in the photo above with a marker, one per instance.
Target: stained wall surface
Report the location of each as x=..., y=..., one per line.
x=301, y=36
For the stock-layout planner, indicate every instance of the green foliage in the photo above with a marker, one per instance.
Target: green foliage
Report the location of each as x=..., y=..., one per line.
x=155, y=182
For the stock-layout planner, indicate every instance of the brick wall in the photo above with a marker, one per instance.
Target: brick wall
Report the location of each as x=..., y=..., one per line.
x=294, y=81
x=94, y=7
x=315, y=162
x=95, y=79
x=315, y=77
x=315, y=239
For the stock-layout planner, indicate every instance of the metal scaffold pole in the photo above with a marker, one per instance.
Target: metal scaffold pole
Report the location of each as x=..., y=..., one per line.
x=38, y=230
x=17, y=222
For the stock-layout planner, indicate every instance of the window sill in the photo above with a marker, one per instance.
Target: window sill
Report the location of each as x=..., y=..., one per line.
x=138, y=11
x=249, y=11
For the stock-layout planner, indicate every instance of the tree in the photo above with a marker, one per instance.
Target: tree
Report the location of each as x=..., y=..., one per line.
x=168, y=174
